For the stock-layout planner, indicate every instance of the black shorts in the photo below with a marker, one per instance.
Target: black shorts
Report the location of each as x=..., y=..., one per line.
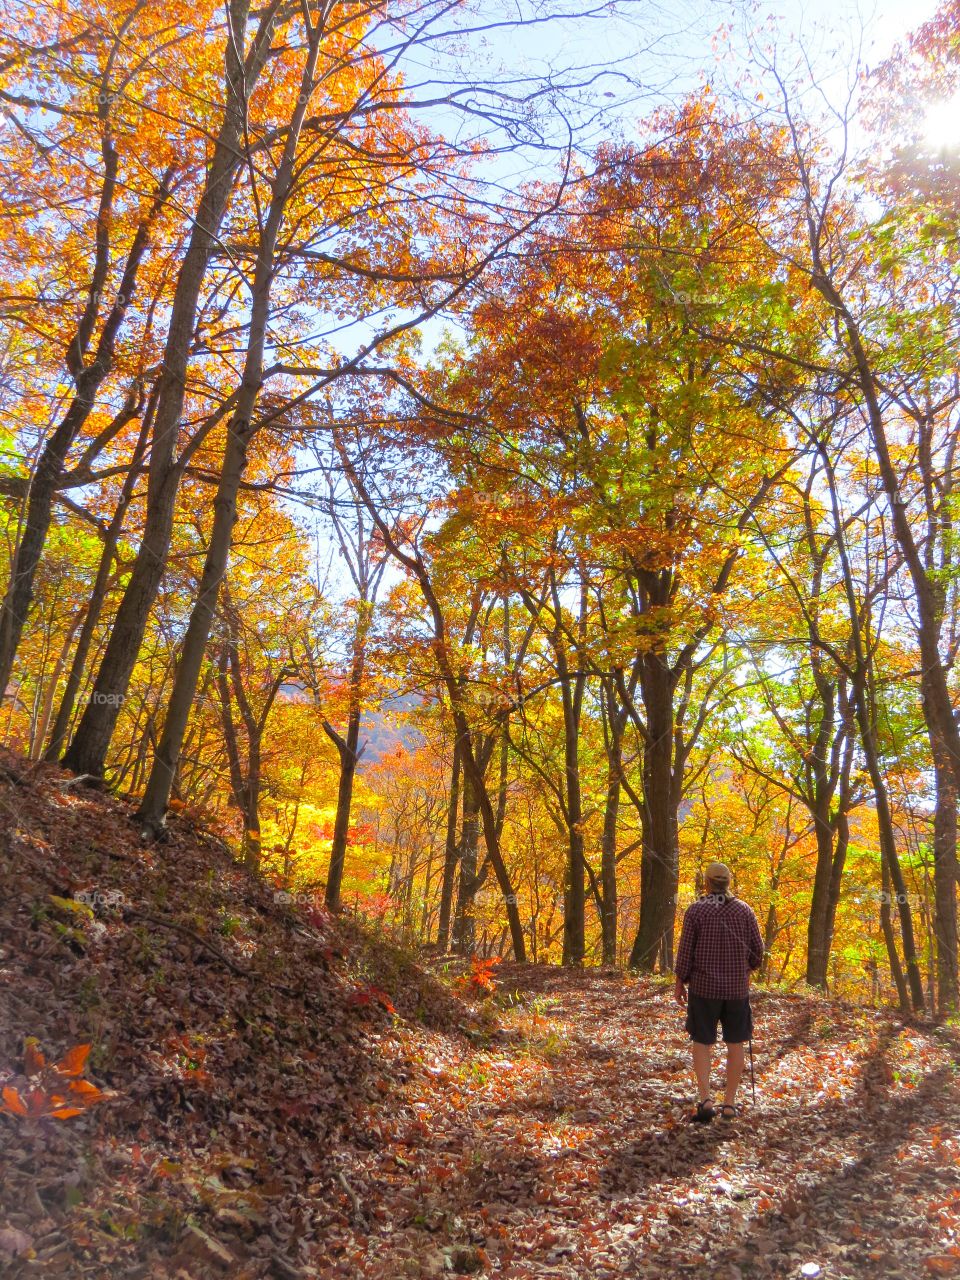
x=734, y=1016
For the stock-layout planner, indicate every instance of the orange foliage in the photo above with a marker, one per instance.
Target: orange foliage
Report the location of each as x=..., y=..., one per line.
x=59, y=1092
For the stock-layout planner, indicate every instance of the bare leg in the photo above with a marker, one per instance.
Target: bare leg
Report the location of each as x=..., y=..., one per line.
x=702, y=1057
x=735, y=1060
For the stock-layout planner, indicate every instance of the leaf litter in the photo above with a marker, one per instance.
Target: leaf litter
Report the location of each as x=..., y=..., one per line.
x=294, y=1096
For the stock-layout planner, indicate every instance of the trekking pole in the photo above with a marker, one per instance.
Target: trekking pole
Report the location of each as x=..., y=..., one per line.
x=753, y=1083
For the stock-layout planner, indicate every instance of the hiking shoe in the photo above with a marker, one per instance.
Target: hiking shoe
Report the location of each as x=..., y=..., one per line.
x=729, y=1111
x=703, y=1114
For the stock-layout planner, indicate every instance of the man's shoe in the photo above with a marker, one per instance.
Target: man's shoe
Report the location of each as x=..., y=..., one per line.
x=703, y=1114
x=729, y=1111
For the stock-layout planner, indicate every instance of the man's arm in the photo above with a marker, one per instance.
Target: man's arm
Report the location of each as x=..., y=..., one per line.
x=684, y=964
x=755, y=950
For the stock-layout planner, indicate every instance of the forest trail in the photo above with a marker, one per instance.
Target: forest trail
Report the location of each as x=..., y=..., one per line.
x=290, y=1095
x=562, y=1149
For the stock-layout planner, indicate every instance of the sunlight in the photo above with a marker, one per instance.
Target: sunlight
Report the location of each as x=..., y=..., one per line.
x=941, y=124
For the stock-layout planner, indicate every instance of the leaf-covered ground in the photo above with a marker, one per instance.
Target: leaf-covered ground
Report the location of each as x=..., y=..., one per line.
x=269, y=1116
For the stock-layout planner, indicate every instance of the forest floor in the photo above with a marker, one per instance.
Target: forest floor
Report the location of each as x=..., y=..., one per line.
x=291, y=1096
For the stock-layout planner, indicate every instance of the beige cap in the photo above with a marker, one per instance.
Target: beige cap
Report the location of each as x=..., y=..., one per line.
x=717, y=873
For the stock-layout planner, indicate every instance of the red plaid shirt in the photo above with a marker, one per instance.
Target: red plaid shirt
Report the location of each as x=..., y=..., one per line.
x=719, y=946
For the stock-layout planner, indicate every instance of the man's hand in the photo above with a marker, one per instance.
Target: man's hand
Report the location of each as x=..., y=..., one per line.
x=680, y=993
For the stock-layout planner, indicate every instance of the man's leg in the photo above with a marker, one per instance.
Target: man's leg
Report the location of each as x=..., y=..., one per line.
x=702, y=1029
x=702, y=1061
x=735, y=1059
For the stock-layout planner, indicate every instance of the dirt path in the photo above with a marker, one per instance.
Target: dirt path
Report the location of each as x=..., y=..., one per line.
x=559, y=1146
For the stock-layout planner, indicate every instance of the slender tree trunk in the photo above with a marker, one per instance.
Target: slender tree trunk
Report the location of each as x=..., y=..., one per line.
x=861, y=686
x=153, y=806
x=244, y=784
x=888, y=850
x=426, y=911
x=889, y=938
x=49, y=697
x=140, y=759
x=575, y=896
x=608, y=859
x=841, y=845
x=769, y=934
x=451, y=852
x=464, y=924
x=945, y=882
x=347, y=748
x=251, y=813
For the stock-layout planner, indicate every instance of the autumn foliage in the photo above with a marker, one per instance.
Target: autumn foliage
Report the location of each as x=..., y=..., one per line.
x=52, y=1090
x=478, y=511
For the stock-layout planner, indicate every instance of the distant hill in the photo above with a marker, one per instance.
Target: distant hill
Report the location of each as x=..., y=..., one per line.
x=382, y=730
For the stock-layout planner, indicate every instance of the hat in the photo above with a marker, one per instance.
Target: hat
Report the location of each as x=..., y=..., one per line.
x=717, y=873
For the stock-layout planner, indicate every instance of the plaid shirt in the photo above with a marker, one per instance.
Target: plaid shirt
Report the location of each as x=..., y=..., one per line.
x=719, y=946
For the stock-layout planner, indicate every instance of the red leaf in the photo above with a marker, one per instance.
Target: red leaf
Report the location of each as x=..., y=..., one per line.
x=86, y=1090
x=12, y=1102
x=66, y=1113
x=74, y=1060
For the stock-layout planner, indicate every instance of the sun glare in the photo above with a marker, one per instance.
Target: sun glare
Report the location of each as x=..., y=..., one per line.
x=941, y=124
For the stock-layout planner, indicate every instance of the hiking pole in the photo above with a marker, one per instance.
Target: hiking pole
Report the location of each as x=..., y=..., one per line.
x=753, y=1083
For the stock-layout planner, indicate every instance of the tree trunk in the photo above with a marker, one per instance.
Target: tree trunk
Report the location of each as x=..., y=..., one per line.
x=889, y=938
x=153, y=806
x=46, y=709
x=251, y=817
x=575, y=896
x=945, y=883
x=842, y=844
x=864, y=707
x=819, y=935
x=347, y=748
x=769, y=934
x=464, y=925
x=451, y=852
x=658, y=860
x=608, y=863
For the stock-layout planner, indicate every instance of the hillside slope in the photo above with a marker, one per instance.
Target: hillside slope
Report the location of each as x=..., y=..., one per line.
x=269, y=1116
x=238, y=1034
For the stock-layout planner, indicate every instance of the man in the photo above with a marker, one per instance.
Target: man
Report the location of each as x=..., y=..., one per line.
x=720, y=946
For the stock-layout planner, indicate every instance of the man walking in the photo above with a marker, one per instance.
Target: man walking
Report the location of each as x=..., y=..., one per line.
x=720, y=946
